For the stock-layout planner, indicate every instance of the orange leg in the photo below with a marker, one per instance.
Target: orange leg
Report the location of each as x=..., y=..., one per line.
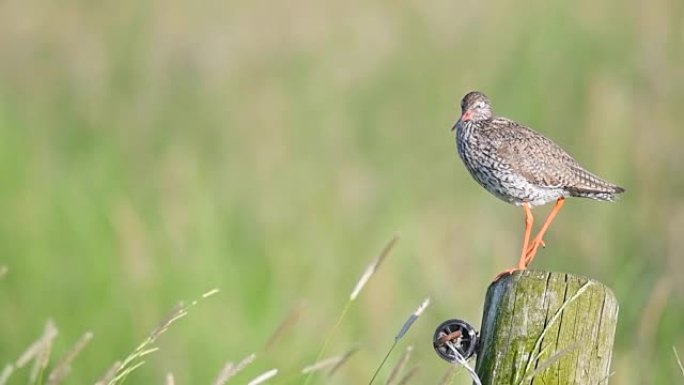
x=537, y=241
x=529, y=220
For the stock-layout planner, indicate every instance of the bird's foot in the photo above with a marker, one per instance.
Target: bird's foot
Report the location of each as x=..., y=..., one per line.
x=532, y=250
x=507, y=272
x=534, y=245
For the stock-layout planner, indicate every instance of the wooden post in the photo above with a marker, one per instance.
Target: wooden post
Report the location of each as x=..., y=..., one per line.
x=546, y=328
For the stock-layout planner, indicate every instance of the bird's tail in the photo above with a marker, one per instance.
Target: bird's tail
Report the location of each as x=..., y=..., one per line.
x=593, y=187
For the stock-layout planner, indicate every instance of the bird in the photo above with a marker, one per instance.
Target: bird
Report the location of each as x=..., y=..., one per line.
x=522, y=167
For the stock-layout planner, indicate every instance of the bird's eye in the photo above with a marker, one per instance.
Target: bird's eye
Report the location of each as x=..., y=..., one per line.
x=481, y=105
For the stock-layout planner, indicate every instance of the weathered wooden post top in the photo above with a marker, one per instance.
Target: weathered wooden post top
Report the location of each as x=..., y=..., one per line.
x=540, y=328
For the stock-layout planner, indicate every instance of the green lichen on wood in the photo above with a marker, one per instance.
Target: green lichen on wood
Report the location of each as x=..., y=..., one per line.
x=547, y=328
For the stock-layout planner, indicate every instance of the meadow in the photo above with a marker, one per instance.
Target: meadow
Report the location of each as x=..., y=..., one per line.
x=152, y=151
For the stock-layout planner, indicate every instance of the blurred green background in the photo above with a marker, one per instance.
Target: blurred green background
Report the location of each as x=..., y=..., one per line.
x=150, y=151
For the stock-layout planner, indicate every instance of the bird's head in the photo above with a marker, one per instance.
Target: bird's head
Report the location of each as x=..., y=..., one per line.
x=475, y=107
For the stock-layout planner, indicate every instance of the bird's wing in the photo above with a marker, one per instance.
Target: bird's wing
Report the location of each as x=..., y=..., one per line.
x=539, y=159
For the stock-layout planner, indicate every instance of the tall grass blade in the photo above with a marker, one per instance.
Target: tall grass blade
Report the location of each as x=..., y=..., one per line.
x=679, y=362
x=365, y=277
x=133, y=360
x=396, y=370
x=404, y=329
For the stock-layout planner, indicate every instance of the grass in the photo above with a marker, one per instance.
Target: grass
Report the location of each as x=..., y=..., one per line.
x=679, y=361
x=404, y=329
x=39, y=352
x=136, y=359
x=528, y=374
x=269, y=148
x=360, y=284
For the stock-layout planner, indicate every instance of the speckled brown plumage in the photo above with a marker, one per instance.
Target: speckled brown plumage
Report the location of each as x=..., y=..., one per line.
x=522, y=167
x=518, y=164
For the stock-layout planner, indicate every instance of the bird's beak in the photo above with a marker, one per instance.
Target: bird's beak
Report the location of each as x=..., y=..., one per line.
x=467, y=115
x=454, y=126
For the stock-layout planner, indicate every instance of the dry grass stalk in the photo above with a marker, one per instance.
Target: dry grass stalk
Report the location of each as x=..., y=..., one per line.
x=49, y=333
x=365, y=277
x=537, y=344
x=38, y=352
x=224, y=374
x=345, y=357
x=3, y=271
x=679, y=362
x=110, y=373
x=449, y=375
x=133, y=360
x=322, y=364
x=243, y=364
x=409, y=375
x=372, y=268
x=170, y=380
x=286, y=324
x=208, y=294
x=260, y=379
x=396, y=370
x=63, y=366
x=230, y=370
x=654, y=310
x=6, y=373
x=552, y=360
x=41, y=362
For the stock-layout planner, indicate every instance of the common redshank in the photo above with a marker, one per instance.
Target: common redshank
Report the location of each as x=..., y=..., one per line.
x=522, y=167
